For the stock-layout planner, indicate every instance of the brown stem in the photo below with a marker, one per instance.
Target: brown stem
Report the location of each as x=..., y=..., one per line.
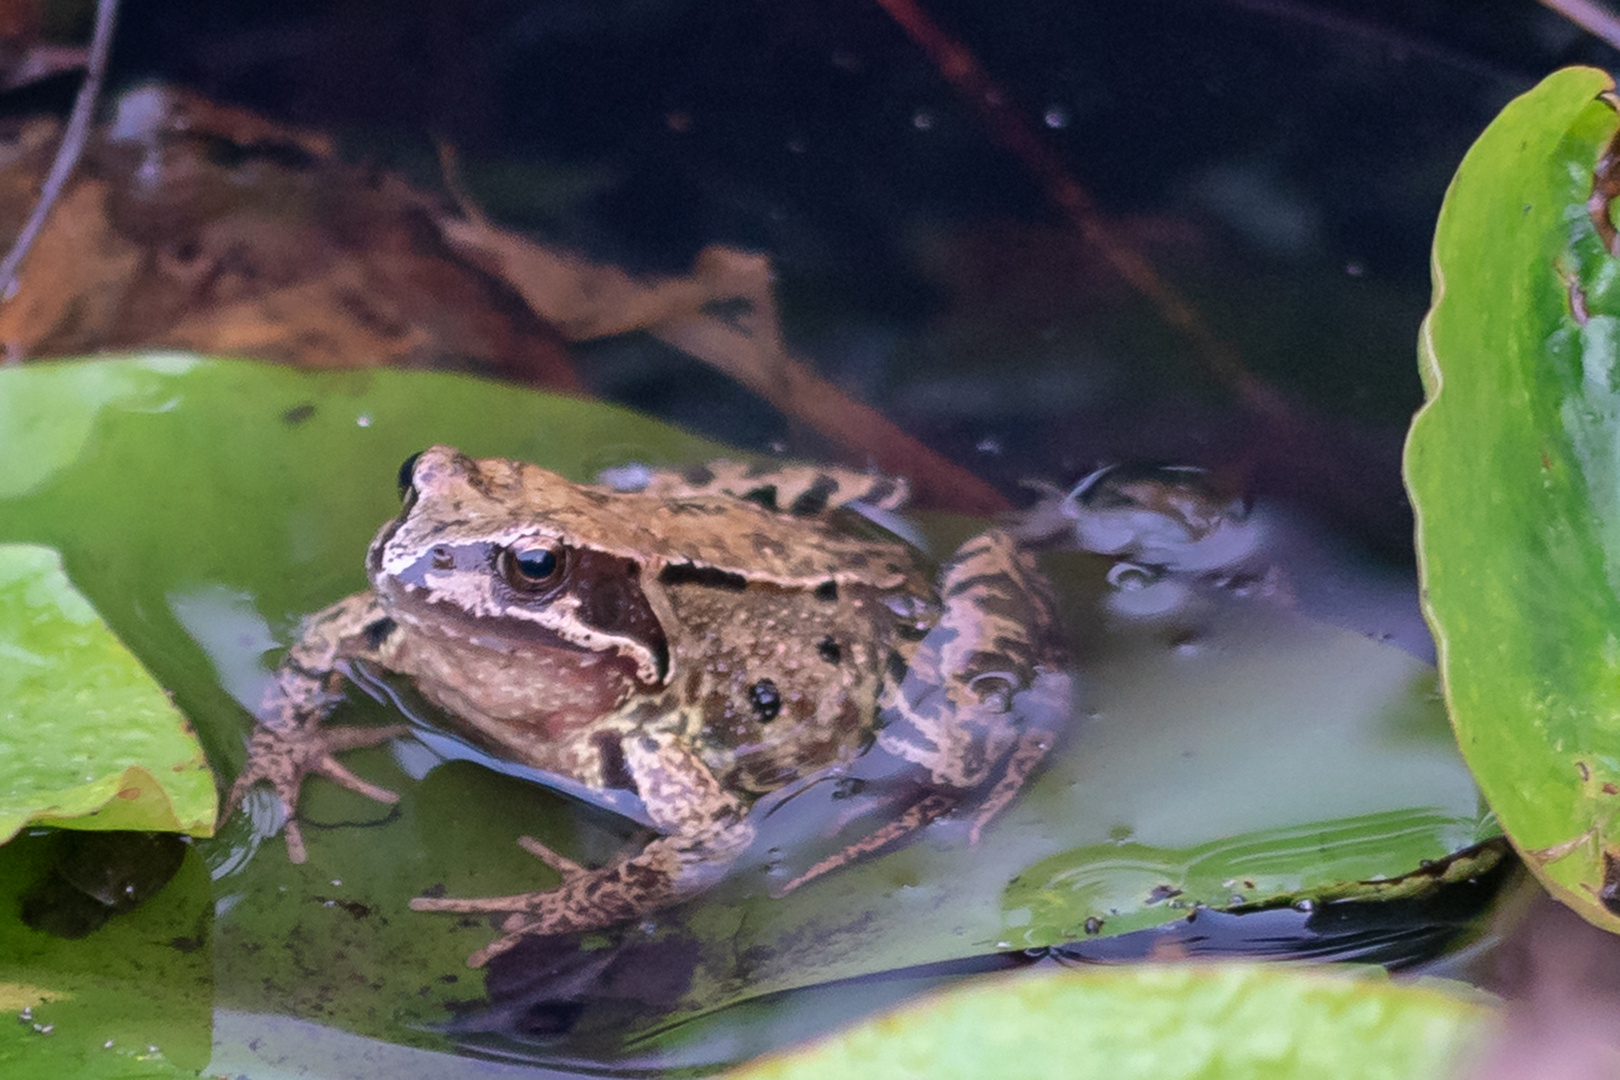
x=1008, y=126
x=73, y=139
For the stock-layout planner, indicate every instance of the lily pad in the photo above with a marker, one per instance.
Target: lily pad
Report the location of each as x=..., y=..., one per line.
x=135, y=999
x=87, y=739
x=1514, y=467
x=1236, y=754
x=1160, y=1022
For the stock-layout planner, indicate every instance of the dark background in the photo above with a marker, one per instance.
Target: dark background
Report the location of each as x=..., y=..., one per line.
x=1282, y=162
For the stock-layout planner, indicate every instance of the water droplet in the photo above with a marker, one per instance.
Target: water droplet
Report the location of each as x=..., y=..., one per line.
x=1129, y=576
x=1306, y=906
x=1057, y=117
x=363, y=420
x=1093, y=925
x=922, y=120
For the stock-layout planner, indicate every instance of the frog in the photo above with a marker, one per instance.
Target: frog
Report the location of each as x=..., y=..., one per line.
x=698, y=642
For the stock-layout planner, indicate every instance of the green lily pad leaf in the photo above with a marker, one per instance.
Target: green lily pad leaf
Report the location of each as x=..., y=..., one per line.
x=87, y=739
x=1160, y=1022
x=1514, y=467
x=205, y=508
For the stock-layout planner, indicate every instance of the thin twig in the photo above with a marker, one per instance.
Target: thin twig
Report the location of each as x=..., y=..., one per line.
x=1590, y=16
x=73, y=140
x=1008, y=126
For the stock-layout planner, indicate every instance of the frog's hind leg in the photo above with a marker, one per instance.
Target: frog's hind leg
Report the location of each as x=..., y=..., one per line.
x=706, y=830
x=914, y=817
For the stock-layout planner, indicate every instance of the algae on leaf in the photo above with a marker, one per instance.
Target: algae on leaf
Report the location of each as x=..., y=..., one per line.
x=1514, y=470
x=87, y=739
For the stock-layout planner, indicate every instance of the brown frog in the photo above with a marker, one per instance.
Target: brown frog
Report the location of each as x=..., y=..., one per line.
x=698, y=643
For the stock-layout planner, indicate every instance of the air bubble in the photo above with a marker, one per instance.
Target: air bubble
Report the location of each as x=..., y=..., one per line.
x=1130, y=577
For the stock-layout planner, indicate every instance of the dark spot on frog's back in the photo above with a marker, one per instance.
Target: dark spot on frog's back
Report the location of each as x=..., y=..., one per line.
x=707, y=576
x=298, y=414
x=615, y=772
x=378, y=632
x=813, y=500
x=766, y=700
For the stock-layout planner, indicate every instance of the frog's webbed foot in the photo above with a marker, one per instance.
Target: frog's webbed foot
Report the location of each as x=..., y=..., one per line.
x=664, y=873
x=707, y=828
x=284, y=756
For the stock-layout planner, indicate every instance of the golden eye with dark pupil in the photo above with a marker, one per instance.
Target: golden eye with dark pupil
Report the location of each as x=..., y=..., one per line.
x=531, y=569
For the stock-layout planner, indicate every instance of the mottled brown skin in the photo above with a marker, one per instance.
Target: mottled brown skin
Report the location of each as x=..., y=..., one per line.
x=690, y=642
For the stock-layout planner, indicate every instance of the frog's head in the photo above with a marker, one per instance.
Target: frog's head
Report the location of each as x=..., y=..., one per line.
x=487, y=547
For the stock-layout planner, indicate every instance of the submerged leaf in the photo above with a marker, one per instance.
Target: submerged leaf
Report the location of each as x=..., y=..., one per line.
x=1514, y=468
x=87, y=739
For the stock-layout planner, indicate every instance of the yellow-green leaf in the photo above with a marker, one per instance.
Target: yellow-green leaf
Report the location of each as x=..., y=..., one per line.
x=87, y=739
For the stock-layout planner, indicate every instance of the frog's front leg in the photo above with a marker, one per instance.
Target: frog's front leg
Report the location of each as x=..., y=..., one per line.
x=291, y=740
x=983, y=698
x=706, y=829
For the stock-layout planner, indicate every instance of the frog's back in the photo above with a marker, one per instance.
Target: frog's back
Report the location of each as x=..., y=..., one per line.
x=773, y=684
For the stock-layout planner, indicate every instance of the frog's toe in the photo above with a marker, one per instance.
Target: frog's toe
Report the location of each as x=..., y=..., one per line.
x=563, y=865
x=335, y=771
x=494, y=949
x=294, y=836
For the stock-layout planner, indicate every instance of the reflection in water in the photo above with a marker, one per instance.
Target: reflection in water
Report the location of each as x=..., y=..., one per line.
x=606, y=1011
x=227, y=624
x=1176, y=536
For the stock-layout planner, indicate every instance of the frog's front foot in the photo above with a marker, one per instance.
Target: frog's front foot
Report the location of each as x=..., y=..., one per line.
x=664, y=873
x=284, y=755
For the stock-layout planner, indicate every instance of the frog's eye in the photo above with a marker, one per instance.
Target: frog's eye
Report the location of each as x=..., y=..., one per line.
x=407, y=470
x=531, y=569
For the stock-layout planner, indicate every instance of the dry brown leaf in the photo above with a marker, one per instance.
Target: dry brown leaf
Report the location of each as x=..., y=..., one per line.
x=587, y=300
x=200, y=226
